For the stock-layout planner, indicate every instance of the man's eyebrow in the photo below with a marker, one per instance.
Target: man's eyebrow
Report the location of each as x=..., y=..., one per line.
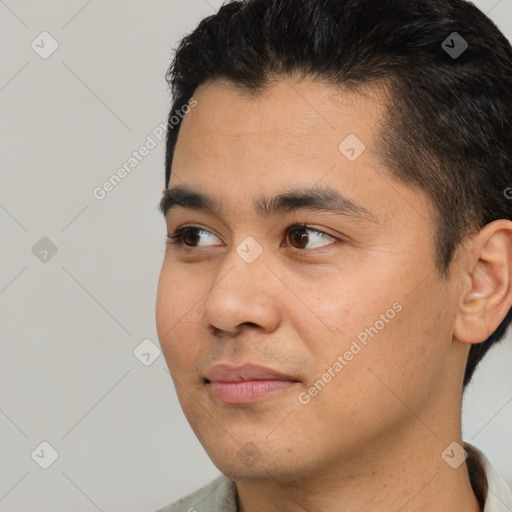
x=322, y=199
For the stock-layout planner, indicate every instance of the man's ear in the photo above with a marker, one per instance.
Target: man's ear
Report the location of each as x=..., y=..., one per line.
x=487, y=292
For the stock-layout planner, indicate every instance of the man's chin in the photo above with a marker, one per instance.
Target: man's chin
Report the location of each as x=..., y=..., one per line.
x=260, y=460
x=263, y=470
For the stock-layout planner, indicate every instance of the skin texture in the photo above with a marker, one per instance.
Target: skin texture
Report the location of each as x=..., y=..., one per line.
x=372, y=438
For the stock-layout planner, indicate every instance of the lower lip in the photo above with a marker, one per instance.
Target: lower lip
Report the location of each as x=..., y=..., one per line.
x=248, y=391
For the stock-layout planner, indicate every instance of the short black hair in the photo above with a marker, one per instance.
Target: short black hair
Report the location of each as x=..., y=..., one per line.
x=446, y=65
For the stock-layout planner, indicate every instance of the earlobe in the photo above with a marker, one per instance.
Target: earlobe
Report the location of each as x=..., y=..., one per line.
x=487, y=293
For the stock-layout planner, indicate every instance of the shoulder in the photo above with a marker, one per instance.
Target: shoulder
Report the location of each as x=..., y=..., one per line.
x=216, y=496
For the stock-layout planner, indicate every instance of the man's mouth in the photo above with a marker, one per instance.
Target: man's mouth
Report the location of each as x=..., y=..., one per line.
x=247, y=383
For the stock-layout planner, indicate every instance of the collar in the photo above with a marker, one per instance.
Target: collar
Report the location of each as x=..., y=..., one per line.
x=488, y=485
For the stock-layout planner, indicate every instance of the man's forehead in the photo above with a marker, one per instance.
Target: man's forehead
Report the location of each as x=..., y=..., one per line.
x=308, y=135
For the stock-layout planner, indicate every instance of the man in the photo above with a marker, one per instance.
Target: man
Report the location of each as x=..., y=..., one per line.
x=339, y=259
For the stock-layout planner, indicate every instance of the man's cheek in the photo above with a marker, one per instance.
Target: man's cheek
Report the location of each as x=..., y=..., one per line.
x=179, y=355
x=174, y=311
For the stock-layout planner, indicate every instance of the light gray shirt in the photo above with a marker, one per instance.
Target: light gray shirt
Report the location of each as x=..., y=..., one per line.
x=489, y=487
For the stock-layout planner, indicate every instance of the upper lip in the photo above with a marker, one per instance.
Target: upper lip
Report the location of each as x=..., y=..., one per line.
x=229, y=373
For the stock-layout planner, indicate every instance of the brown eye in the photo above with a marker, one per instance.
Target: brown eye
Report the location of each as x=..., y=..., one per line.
x=302, y=235
x=190, y=236
x=299, y=237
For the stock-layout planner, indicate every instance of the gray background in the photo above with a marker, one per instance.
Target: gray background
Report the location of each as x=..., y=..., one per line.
x=71, y=320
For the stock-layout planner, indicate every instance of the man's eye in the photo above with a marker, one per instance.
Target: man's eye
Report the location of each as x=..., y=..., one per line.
x=188, y=236
x=298, y=234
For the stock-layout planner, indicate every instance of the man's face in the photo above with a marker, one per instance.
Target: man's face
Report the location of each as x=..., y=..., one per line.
x=348, y=307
